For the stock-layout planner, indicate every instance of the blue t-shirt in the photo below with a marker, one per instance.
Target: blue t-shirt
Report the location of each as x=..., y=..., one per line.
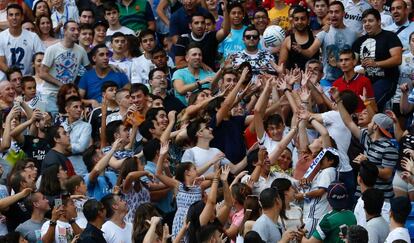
x=180, y=20
x=233, y=42
x=92, y=84
x=102, y=186
x=166, y=204
x=188, y=78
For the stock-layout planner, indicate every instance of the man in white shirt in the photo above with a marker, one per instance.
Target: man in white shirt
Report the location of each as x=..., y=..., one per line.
x=62, y=63
x=202, y=155
x=400, y=209
x=116, y=229
x=112, y=16
x=366, y=179
x=401, y=26
x=17, y=45
x=353, y=14
x=62, y=227
x=376, y=225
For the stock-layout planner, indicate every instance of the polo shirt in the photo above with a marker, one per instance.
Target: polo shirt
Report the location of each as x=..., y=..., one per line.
x=328, y=228
x=92, y=84
x=91, y=234
x=356, y=85
x=136, y=15
x=188, y=78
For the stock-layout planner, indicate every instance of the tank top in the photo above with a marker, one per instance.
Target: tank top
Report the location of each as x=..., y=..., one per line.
x=295, y=57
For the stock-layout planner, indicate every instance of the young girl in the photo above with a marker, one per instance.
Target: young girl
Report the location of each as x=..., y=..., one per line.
x=188, y=191
x=131, y=187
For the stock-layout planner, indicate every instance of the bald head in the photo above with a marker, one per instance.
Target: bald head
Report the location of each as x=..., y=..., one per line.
x=7, y=92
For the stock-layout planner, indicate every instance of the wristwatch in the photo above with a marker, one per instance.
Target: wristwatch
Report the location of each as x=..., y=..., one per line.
x=52, y=223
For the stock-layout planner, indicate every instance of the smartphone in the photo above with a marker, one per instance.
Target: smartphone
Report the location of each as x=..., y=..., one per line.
x=344, y=230
x=58, y=202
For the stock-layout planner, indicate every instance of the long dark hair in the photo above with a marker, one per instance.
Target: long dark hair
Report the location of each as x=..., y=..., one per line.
x=180, y=172
x=49, y=184
x=282, y=185
x=144, y=212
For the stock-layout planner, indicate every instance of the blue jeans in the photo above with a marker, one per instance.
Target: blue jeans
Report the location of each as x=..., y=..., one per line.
x=384, y=90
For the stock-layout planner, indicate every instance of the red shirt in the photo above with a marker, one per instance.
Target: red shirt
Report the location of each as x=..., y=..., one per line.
x=357, y=85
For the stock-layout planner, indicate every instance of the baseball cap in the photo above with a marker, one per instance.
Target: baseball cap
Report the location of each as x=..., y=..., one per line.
x=384, y=123
x=337, y=195
x=101, y=23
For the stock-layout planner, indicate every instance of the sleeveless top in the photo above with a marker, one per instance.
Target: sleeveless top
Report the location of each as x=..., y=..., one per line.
x=297, y=58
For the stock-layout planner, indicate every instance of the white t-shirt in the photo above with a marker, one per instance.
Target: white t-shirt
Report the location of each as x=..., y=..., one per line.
x=115, y=234
x=353, y=14
x=386, y=19
x=80, y=219
x=124, y=30
x=340, y=133
x=63, y=231
x=123, y=64
x=141, y=67
x=317, y=207
x=398, y=233
x=200, y=156
x=19, y=51
x=360, y=212
x=263, y=183
x=64, y=64
x=378, y=230
x=69, y=13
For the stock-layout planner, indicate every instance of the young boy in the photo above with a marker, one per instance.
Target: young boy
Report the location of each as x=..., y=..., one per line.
x=109, y=90
x=279, y=14
x=76, y=187
x=86, y=36
x=29, y=92
x=111, y=11
x=315, y=199
x=119, y=44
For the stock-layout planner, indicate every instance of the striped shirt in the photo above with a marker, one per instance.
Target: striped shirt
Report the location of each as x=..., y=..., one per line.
x=384, y=155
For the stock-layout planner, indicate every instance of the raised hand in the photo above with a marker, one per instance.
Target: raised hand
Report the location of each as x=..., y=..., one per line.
x=334, y=92
x=171, y=115
x=304, y=115
x=225, y=170
x=407, y=164
x=404, y=88
x=360, y=158
x=409, y=152
x=164, y=148
x=391, y=115
x=304, y=94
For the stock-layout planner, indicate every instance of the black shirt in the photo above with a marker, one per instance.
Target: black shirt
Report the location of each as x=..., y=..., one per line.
x=54, y=157
x=378, y=47
x=35, y=148
x=208, y=44
x=171, y=102
x=91, y=234
x=95, y=120
x=16, y=215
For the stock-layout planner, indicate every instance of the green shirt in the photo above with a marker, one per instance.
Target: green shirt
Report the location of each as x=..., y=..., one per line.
x=136, y=15
x=328, y=228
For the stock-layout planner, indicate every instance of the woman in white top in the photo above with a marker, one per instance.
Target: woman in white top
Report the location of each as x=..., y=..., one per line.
x=291, y=215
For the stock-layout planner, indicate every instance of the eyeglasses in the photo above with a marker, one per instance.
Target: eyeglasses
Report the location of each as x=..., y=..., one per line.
x=30, y=166
x=260, y=17
x=251, y=37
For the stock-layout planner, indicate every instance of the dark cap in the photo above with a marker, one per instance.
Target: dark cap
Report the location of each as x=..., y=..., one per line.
x=101, y=23
x=337, y=195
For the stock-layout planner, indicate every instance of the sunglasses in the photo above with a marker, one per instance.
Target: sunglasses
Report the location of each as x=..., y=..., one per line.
x=251, y=37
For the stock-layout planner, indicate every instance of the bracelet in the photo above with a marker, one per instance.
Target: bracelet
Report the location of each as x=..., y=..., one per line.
x=339, y=100
x=305, y=102
x=199, y=85
x=287, y=90
x=367, y=103
x=52, y=223
x=311, y=119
